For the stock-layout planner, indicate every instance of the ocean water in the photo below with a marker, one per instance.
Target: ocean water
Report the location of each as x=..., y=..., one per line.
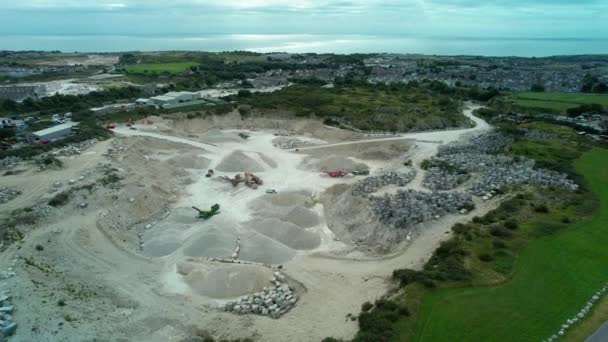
x=497, y=46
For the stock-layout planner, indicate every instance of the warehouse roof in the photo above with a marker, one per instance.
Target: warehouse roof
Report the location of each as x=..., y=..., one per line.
x=57, y=128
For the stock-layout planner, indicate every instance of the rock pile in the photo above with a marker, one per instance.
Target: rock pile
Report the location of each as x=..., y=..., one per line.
x=437, y=178
x=74, y=149
x=409, y=207
x=372, y=184
x=9, y=163
x=273, y=301
x=7, y=194
x=580, y=315
x=493, y=171
x=8, y=325
x=290, y=143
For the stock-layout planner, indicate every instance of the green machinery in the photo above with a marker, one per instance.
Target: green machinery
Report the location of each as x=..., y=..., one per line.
x=206, y=214
x=360, y=173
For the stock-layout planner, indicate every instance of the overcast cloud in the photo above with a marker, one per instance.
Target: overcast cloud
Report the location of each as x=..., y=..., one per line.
x=467, y=18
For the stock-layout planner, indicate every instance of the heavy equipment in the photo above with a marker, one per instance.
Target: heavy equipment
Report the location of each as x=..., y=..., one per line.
x=206, y=214
x=337, y=173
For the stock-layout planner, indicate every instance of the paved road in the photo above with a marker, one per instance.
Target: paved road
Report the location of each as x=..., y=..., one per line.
x=600, y=335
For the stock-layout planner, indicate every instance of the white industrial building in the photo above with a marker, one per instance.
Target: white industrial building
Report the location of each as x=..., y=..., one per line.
x=53, y=133
x=173, y=99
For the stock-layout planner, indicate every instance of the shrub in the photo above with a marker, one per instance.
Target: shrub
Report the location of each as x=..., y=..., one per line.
x=500, y=232
x=566, y=220
x=511, y=224
x=425, y=164
x=403, y=310
x=61, y=302
x=541, y=208
x=244, y=110
x=60, y=199
x=406, y=276
x=499, y=244
x=477, y=219
x=460, y=228
x=366, y=306
x=485, y=257
x=39, y=248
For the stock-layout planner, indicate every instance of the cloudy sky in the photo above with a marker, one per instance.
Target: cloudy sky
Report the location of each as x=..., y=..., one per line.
x=415, y=18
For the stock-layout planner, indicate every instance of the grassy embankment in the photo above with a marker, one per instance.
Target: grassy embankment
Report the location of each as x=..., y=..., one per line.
x=538, y=274
x=558, y=102
x=174, y=68
x=366, y=107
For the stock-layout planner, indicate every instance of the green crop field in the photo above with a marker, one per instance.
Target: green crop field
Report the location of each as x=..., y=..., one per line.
x=161, y=67
x=557, y=101
x=554, y=277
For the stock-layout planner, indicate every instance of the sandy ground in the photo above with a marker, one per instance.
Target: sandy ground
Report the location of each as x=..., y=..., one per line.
x=139, y=248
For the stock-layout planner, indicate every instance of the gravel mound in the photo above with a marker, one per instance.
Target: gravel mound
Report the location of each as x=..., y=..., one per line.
x=287, y=233
x=190, y=162
x=238, y=161
x=223, y=281
x=213, y=243
x=302, y=217
x=260, y=248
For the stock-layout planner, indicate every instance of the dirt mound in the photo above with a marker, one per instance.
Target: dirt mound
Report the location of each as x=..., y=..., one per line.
x=302, y=217
x=287, y=233
x=351, y=219
x=238, y=161
x=332, y=162
x=260, y=248
x=214, y=242
x=224, y=280
x=189, y=161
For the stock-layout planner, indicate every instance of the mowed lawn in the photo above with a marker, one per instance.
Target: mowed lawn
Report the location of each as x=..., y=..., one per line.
x=557, y=101
x=161, y=67
x=554, y=278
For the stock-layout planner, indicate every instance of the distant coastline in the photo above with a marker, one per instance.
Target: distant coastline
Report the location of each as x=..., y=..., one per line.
x=483, y=46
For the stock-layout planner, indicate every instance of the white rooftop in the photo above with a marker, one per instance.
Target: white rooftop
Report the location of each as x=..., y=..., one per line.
x=56, y=128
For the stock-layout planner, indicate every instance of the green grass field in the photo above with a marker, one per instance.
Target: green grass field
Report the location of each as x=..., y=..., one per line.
x=161, y=67
x=557, y=101
x=554, y=276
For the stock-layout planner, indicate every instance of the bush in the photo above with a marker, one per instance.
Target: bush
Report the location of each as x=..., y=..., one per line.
x=406, y=276
x=485, y=257
x=499, y=244
x=366, y=306
x=477, y=219
x=39, y=248
x=541, y=208
x=566, y=220
x=511, y=224
x=60, y=199
x=244, y=110
x=460, y=228
x=500, y=232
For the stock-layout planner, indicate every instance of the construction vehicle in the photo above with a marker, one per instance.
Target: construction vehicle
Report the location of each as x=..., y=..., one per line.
x=337, y=173
x=110, y=126
x=209, y=173
x=206, y=214
x=271, y=191
x=244, y=136
x=360, y=172
x=249, y=179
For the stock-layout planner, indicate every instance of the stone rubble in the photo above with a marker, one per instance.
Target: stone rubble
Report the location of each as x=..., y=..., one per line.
x=372, y=184
x=479, y=157
x=273, y=301
x=8, y=194
x=8, y=326
x=9, y=163
x=407, y=208
x=437, y=178
x=74, y=149
x=290, y=143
